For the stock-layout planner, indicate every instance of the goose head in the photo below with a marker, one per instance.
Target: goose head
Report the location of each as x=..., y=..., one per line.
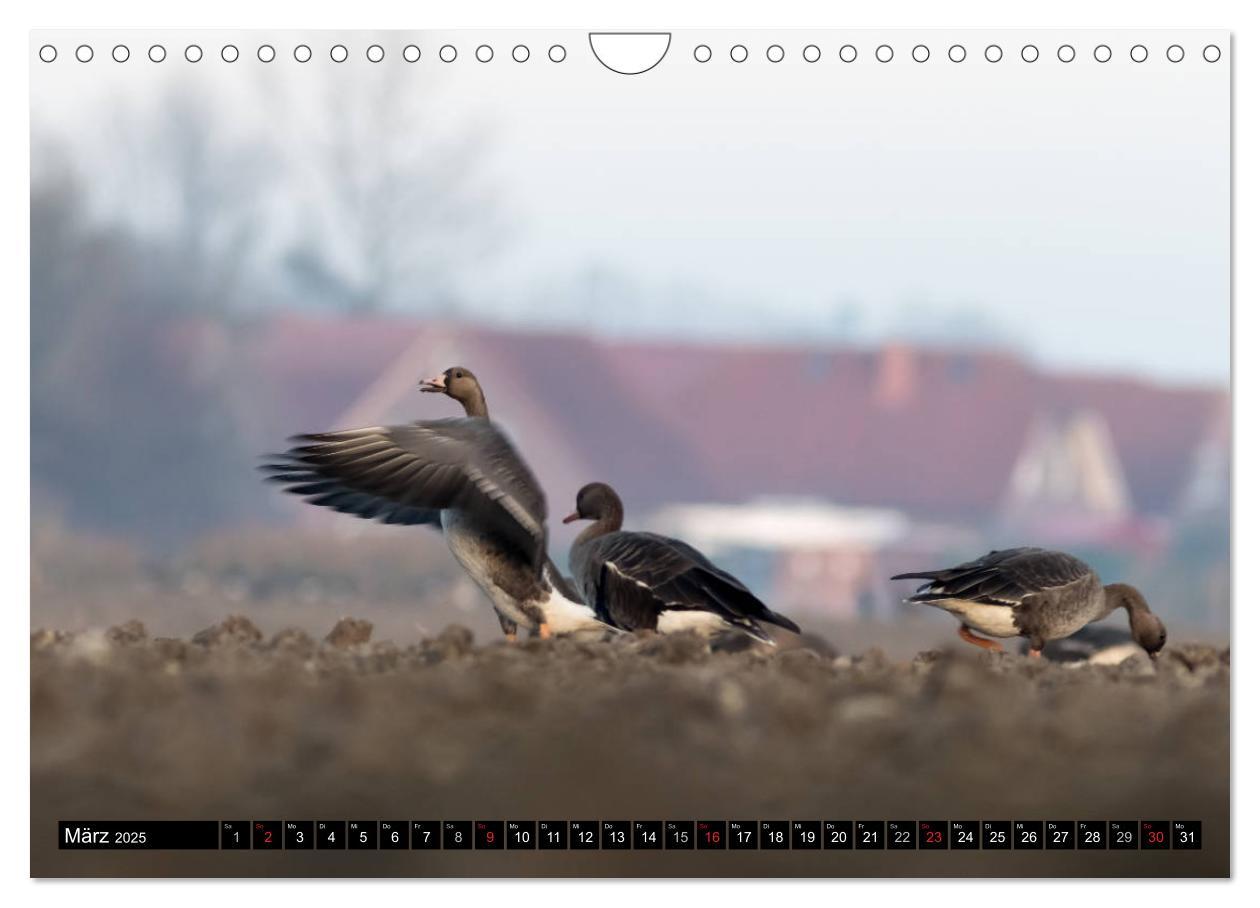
x=1149, y=632
x=460, y=384
x=597, y=501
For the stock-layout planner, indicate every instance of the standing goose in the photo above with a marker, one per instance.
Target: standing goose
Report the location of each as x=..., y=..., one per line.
x=642, y=580
x=461, y=475
x=1034, y=593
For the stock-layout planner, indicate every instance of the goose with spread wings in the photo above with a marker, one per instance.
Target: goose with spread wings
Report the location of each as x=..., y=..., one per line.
x=642, y=580
x=1034, y=593
x=461, y=475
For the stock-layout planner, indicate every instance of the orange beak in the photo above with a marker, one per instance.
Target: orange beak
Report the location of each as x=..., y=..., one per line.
x=435, y=385
x=572, y=517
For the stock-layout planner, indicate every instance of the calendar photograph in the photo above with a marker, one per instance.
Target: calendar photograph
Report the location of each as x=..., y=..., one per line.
x=691, y=453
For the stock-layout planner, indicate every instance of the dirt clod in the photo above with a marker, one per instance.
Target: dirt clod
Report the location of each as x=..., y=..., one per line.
x=349, y=632
x=639, y=726
x=235, y=629
x=130, y=632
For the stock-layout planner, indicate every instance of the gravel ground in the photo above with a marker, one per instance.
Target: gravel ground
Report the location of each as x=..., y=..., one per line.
x=237, y=724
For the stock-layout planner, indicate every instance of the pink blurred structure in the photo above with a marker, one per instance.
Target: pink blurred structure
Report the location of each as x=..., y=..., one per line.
x=797, y=443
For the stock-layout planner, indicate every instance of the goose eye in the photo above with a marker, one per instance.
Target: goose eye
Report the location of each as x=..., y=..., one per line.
x=459, y=374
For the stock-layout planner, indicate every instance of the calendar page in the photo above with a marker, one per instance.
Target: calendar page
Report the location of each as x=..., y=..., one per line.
x=675, y=453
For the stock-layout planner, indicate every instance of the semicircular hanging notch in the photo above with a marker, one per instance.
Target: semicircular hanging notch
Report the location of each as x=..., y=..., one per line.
x=629, y=53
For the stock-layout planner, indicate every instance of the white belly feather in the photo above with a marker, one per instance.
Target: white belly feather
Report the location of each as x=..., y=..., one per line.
x=563, y=616
x=671, y=621
x=994, y=620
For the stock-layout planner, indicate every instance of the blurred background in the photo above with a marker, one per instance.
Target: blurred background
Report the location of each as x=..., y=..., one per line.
x=828, y=322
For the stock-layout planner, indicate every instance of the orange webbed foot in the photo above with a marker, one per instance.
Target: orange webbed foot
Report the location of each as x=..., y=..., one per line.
x=983, y=642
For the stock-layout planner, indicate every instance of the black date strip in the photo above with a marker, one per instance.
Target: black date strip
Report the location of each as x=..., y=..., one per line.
x=137, y=834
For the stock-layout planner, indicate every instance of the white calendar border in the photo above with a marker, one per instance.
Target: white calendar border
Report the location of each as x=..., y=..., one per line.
x=14, y=360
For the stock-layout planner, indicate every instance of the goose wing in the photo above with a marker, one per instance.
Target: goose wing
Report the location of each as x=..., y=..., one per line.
x=633, y=577
x=411, y=473
x=1005, y=577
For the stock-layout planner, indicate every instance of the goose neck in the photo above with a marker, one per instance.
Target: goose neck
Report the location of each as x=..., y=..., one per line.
x=608, y=523
x=1121, y=595
x=476, y=406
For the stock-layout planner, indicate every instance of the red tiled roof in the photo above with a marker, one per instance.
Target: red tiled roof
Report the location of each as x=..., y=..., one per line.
x=930, y=431
x=312, y=368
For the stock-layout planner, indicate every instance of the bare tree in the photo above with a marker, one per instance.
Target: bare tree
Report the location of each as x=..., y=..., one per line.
x=131, y=433
x=173, y=175
x=395, y=203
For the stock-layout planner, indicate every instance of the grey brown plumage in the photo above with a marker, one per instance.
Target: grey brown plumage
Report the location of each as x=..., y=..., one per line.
x=1002, y=577
x=1034, y=593
x=460, y=475
x=638, y=580
x=410, y=474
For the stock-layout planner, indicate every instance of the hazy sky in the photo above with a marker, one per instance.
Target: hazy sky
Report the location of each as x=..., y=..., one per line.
x=1079, y=210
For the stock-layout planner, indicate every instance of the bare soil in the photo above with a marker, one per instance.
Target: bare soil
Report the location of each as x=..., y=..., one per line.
x=237, y=723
